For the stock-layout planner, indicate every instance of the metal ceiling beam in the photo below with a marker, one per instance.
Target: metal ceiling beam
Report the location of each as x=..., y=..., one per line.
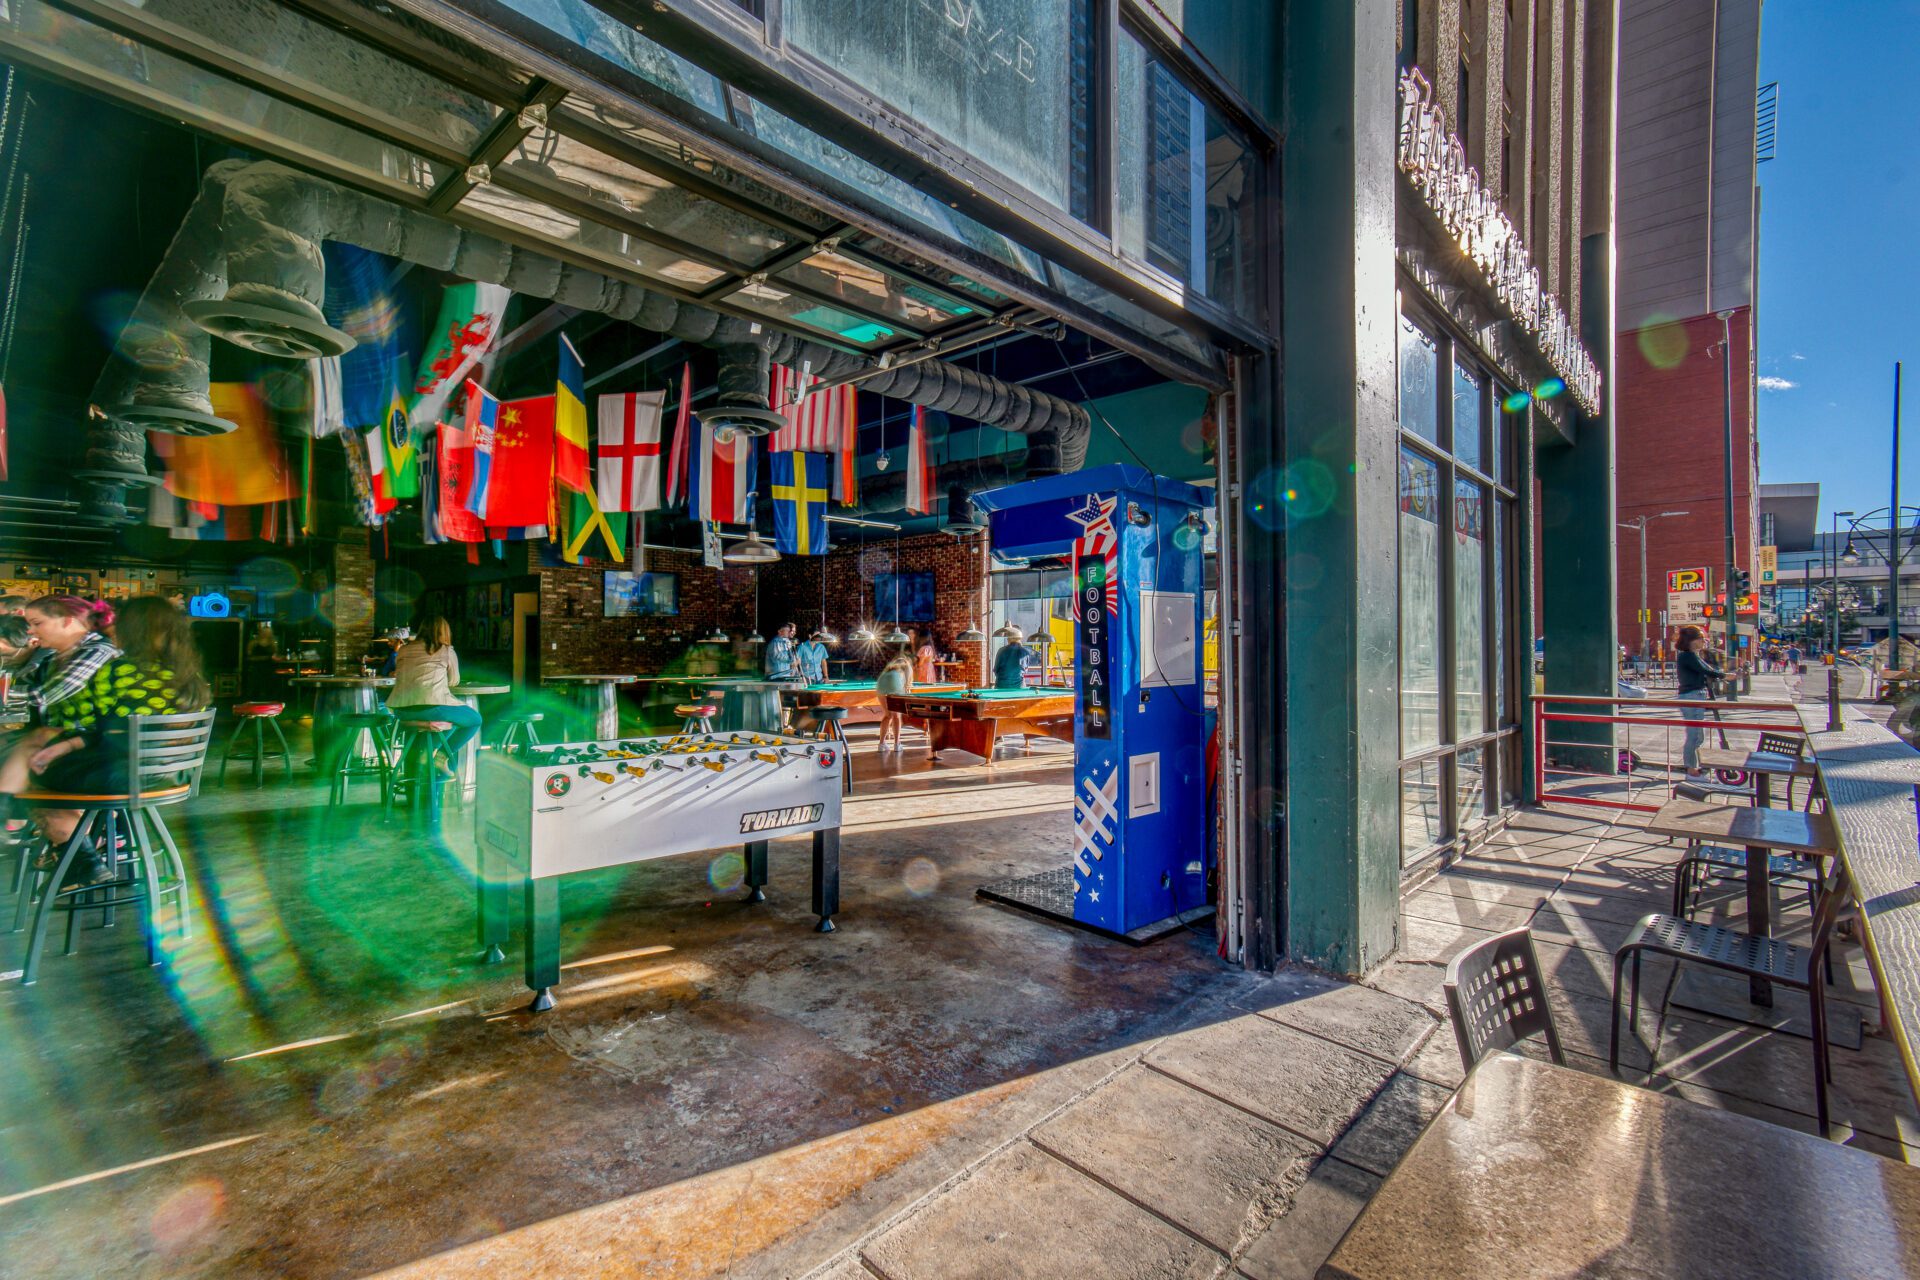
x=509, y=130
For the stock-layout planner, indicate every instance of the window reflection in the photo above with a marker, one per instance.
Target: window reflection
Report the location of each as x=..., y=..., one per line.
x=1469, y=602
x=1419, y=382
x=1469, y=401
x=1422, y=810
x=1419, y=603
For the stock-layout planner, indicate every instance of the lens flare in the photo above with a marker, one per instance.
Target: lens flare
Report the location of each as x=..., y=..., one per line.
x=1549, y=389
x=1516, y=402
x=1193, y=437
x=1187, y=538
x=399, y=585
x=1664, y=343
x=727, y=872
x=284, y=390
x=188, y=1215
x=920, y=877
x=346, y=607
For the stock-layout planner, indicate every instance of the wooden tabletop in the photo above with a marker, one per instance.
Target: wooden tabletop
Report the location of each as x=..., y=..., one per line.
x=378, y=682
x=1741, y=825
x=1536, y=1170
x=1757, y=762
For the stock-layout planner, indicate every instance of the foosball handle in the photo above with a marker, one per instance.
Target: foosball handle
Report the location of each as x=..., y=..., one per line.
x=542, y=1000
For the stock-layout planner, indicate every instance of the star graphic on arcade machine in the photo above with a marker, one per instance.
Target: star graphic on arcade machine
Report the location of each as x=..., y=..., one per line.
x=1089, y=514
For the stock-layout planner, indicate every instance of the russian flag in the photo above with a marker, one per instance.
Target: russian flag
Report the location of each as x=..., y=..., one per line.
x=722, y=477
x=483, y=415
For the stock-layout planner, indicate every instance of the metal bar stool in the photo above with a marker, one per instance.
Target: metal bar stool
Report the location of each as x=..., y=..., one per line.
x=698, y=716
x=258, y=717
x=165, y=755
x=517, y=732
x=415, y=783
x=370, y=728
x=830, y=720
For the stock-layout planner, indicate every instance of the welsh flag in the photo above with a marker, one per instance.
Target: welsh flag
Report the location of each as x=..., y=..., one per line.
x=468, y=326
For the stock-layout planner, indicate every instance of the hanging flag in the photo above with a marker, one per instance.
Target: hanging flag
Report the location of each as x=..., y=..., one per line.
x=628, y=467
x=360, y=301
x=816, y=420
x=721, y=477
x=164, y=511
x=711, y=554
x=397, y=437
x=802, y=483
x=919, y=474
x=481, y=418
x=375, y=444
x=454, y=450
x=366, y=503
x=516, y=533
x=3, y=433
x=570, y=420
x=519, y=469
x=846, y=475
x=245, y=466
x=682, y=437
x=430, y=497
x=324, y=395
x=468, y=326
x=583, y=530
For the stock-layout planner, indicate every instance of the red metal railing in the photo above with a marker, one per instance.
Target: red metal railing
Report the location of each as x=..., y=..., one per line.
x=1647, y=764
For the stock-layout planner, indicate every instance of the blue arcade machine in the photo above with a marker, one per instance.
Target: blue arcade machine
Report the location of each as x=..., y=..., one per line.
x=1140, y=856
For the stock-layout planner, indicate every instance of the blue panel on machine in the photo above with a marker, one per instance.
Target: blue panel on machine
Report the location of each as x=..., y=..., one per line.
x=1140, y=721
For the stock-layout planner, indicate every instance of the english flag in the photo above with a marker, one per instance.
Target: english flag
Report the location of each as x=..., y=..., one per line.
x=919, y=474
x=682, y=439
x=629, y=461
x=721, y=477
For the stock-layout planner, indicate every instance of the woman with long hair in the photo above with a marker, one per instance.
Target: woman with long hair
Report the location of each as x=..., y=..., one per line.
x=1693, y=678
x=155, y=672
x=425, y=671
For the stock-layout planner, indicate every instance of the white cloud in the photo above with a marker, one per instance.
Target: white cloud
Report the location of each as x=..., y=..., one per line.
x=1767, y=382
x=1796, y=356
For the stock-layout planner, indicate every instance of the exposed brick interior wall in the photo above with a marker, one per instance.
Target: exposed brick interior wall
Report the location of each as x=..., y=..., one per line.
x=575, y=637
x=352, y=606
x=1669, y=455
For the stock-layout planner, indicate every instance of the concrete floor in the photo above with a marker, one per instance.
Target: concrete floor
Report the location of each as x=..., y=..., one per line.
x=943, y=1088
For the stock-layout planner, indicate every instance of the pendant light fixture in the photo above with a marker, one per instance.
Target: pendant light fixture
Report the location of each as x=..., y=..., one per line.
x=972, y=635
x=880, y=463
x=717, y=636
x=822, y=633
x=755, y=637
x=895, y=636
x=750, y=550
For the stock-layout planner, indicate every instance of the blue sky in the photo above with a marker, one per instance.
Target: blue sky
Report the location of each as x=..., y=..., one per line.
x=1840, y=249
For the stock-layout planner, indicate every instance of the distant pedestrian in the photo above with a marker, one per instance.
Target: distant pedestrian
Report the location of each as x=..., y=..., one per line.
x=1694, y=677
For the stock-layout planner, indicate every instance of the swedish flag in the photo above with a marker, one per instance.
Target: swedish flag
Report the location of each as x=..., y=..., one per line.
x=802, y=483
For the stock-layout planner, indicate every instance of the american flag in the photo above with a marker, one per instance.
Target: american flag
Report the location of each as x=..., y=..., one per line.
x=821, y=422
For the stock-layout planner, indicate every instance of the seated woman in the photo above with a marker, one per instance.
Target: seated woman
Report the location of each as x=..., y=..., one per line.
x=155, y=672
x=69, y=635
x=425, y=670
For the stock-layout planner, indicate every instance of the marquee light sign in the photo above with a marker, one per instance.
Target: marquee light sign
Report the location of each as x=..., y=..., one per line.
x=1437, y=163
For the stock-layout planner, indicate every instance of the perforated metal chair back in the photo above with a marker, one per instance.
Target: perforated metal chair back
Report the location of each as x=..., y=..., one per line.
x=1781, y=744
x=1497, y=997
x=163, y=753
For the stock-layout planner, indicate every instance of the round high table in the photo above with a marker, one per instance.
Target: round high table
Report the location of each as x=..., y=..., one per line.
x=336, y=696
x=593, y=705
x=469, y=764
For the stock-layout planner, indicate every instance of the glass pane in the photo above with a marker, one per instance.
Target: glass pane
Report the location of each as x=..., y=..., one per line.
x=1469, y=601
x=1419, y=382
x=870, y=289
x=769, y=299
x=1469, y=399
x=183, y=92
x=621, y=44
x=1469, y=789
x=991, y=77
x=1419, y=603
x=1422, y=815
x=1184, y=180
x=1502, y=551
x=549, y=159
x=626, y=254
x=1506, y=424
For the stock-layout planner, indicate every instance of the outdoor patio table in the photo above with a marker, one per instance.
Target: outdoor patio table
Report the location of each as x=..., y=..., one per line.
x=1536, y=1170
x=468, y=766
x=1756, y=830
x=594, y=712
x=1765, y=766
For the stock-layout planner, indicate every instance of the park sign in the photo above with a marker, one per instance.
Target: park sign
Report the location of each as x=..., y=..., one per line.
x=1436, y=163
x=1687, y=591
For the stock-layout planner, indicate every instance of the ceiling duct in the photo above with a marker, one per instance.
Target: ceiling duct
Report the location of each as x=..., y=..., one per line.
x=273, y=219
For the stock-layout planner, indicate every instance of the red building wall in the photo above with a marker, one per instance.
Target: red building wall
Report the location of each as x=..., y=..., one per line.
x=1669, y=451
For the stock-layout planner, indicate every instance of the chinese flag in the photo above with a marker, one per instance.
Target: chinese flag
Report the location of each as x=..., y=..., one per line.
x=522, y=471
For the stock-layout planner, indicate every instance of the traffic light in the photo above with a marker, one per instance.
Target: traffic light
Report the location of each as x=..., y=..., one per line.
x=1742, y=583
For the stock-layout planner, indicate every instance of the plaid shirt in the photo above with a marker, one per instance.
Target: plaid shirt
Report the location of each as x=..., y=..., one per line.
x=68, y=673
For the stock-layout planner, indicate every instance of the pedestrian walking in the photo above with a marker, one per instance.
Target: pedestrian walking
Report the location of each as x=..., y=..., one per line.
x=1694, y=676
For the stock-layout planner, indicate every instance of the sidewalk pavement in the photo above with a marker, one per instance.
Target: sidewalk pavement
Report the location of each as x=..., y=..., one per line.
x=1244, y=1145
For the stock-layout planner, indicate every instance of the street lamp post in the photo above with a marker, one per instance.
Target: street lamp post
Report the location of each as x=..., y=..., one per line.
x=1833, y=634
x=1646, y=616
x=1726, y=414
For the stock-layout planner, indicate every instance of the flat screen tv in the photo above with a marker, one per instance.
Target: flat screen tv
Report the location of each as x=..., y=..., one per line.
x=914, y=599
x=633, y=595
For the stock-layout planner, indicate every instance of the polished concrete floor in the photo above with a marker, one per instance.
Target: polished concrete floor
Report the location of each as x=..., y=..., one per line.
x=325, y=1082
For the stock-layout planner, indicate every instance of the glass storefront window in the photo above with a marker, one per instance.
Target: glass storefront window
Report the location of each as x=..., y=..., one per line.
x=1502, y=556
x=1469, y=398
x=1419, y=382
x=1469, y=606
x=1422, y=810
x=1469, y=789
x=1419, y=602
x=992, y=77
x=1184, y=182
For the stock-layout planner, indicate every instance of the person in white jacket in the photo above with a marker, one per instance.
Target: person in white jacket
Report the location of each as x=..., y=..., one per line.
x=425, y=671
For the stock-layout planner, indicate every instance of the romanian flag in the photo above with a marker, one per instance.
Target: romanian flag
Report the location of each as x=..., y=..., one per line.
x=802, y=483
x=570, y=421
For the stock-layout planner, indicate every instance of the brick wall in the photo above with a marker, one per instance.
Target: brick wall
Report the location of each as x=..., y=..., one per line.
x=574, y=637
x=351, y=605
x=1669, y=452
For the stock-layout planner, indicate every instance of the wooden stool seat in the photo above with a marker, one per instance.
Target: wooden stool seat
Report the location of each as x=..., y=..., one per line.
x=517, y=732
x=701, y=709
x=250, y=709
x=698, y=716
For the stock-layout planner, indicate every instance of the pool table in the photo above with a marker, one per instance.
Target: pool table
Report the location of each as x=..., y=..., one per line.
x=976, y=719
x=857, y=696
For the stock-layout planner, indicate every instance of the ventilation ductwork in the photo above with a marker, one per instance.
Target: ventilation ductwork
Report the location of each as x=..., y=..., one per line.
x=247, y=265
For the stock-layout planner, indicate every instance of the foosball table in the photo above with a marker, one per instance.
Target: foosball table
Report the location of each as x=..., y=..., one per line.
x=578, y=806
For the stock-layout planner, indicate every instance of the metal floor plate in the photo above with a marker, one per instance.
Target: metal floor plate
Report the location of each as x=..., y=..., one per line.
x=1050, y=894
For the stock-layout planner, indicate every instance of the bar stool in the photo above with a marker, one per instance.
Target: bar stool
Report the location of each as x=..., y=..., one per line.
x=416, y=741
x=259, y=717
x=830, y=719
x=698, y=716
x=371, y=728
x=517, y=731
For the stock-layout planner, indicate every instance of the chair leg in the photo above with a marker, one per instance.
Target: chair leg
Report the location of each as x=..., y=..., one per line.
x=1613, y=1026
x=259, y=751
x=286, y=752
x=143, y=852
x=165, y=836
x=37, y=941
x=1822, y=1061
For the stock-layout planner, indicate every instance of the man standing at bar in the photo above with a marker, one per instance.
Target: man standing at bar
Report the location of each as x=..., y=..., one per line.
x=780, y=653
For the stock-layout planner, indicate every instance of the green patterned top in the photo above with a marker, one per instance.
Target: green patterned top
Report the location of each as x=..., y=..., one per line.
x=119, y=689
